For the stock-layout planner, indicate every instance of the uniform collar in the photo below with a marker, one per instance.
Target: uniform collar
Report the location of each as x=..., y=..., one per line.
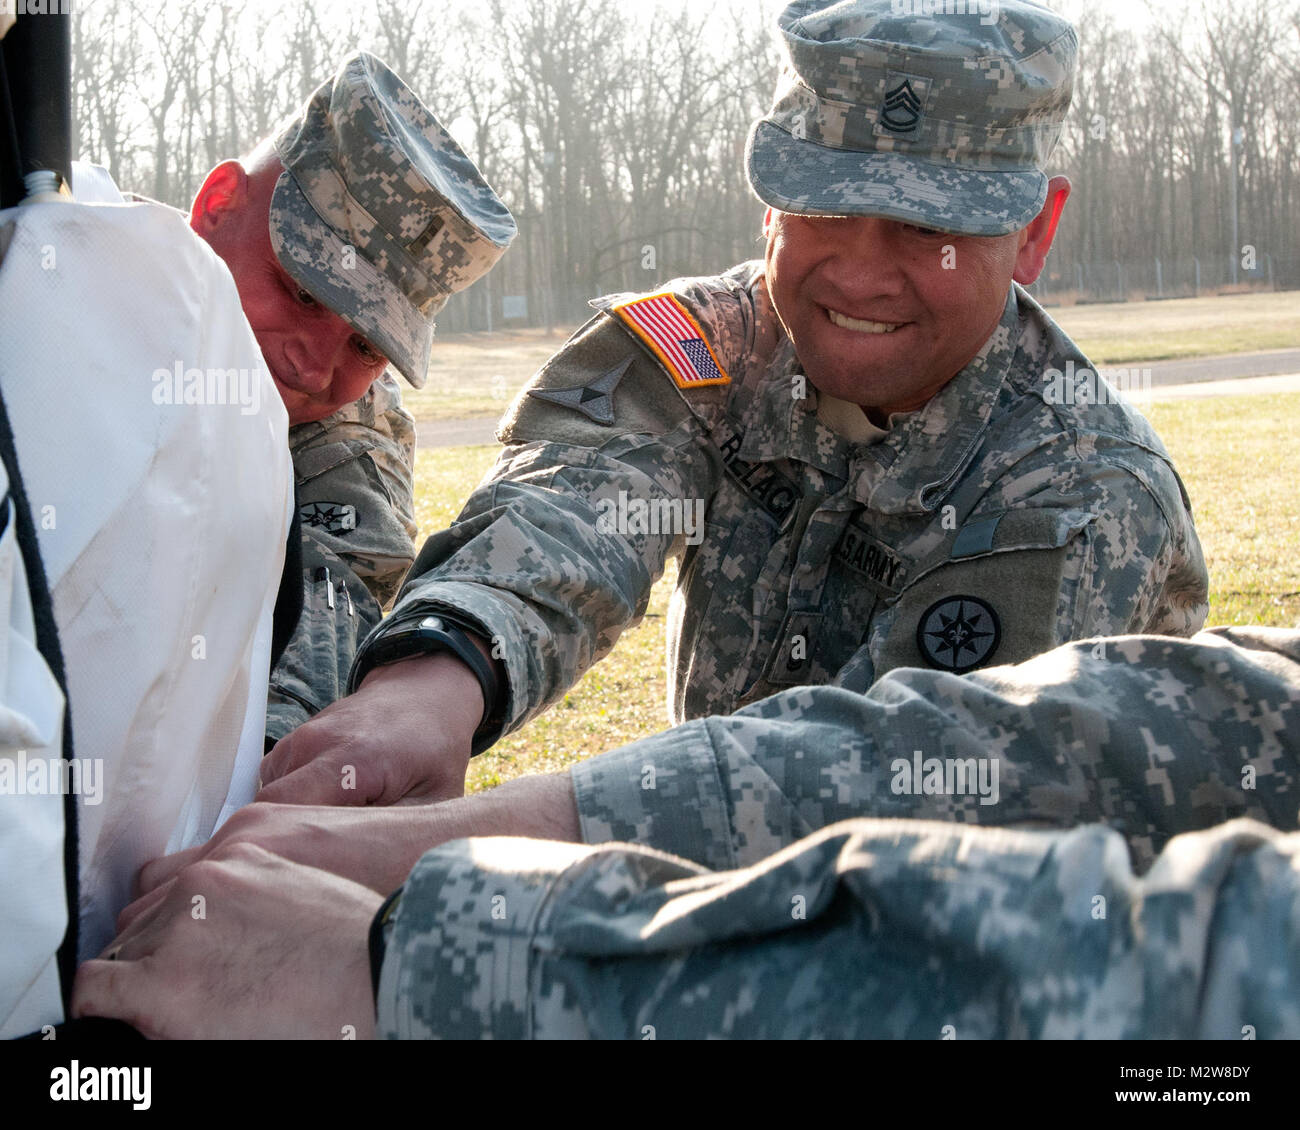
x=782, y=424
x=917, y=466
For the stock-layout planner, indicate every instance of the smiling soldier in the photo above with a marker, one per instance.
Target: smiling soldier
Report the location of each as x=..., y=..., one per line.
x=866, y=413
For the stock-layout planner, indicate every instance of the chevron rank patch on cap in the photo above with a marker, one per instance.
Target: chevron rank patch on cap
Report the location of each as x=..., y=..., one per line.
x=675, y=338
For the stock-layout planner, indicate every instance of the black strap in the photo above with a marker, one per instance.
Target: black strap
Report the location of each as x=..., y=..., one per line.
x=47, y=642
x=379, y=937
x=288, y=601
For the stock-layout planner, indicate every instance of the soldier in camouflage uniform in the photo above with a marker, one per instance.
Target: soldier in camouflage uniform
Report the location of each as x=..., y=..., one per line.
x=823, y=863
x=871, y=450
x=376, y=217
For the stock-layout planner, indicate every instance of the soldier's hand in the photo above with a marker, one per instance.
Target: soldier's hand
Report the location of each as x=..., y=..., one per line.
x=374, y=847
x=403, y=737
x=279, y=952
x=378, y=847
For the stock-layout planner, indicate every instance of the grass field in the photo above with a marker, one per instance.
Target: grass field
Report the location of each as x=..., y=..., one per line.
x=1120, y=332
x=473, y=375
x=477, y=374
x=1237, y=456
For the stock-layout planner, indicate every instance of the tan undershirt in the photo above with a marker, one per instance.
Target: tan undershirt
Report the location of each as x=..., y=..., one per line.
x=850, y=421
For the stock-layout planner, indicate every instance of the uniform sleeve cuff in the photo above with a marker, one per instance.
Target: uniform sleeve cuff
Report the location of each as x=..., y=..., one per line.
x=459, y=961
x=283, y=716
x=664, y=791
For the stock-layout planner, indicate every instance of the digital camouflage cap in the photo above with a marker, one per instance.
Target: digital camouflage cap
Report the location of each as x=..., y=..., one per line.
x=379, y=214
x=941, y=114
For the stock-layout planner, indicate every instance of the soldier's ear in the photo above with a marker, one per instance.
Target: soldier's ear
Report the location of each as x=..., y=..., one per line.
x=221, y=196
x=1036, y=239
x=767, y=223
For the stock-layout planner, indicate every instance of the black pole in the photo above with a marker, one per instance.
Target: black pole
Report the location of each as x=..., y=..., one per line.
x=36, y=106
x=11, y=180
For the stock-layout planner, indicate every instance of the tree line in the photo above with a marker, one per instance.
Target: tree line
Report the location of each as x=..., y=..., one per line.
x=616, y=132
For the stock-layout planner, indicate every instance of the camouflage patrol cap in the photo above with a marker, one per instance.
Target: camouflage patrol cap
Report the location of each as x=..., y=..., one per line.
x=940, y=113
x=379, y=214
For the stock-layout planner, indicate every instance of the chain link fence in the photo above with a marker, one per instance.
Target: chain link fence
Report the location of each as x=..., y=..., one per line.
x=1117, y=280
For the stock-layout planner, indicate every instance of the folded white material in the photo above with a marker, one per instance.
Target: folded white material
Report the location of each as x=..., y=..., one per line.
x=162, y=527
x=32, y=903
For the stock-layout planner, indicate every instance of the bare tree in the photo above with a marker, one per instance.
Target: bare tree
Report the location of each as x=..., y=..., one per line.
x=107, y=63
x=616, y=132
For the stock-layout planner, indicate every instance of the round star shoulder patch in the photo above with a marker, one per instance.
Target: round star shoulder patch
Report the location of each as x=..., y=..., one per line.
x=332, y=517
x=958, y=634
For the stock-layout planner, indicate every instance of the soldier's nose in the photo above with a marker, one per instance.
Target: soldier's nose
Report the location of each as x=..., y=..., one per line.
x=314, y=370
x=866, y=264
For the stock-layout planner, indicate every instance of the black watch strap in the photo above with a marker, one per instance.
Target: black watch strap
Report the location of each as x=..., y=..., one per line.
x=428, y=634
x=380, y=927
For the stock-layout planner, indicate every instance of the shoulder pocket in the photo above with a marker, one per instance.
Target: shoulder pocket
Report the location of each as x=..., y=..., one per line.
x=603, y=383
x=996, y=598
x=312, y=462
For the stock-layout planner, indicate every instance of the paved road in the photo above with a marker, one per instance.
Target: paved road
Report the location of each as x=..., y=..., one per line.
x=1272, y=362
x=1274, y=370
x=1234, y=386
x=455, y=433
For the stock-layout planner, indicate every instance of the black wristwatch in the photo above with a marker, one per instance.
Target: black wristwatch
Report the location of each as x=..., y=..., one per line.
x=381, y=926
x=428, y=634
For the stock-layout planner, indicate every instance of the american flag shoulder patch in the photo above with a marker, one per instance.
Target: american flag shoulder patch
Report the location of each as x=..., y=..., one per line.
x=673, y=336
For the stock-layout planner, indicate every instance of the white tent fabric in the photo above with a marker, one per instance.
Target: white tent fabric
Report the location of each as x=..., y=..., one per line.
x=153, y=445
x=31, y=824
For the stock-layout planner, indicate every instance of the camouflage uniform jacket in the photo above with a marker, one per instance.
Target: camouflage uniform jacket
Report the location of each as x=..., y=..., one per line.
x=993, y=511
x=797, y=873
x=354, y=472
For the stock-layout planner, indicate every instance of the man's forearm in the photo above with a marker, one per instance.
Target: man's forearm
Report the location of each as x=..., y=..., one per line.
x=541, y=807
